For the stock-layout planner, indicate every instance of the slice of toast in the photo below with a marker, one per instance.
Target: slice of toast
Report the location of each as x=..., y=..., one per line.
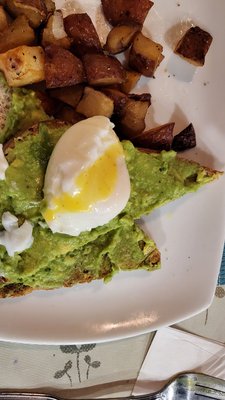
x=124, y=248
x=169, y=177
x=156, y=178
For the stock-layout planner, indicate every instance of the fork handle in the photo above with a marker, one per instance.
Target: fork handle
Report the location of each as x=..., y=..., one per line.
x=25, y=396
x=40, y=396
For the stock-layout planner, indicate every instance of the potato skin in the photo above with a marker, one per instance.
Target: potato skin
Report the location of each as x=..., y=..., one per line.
x=185, y=140
x=145, y=55
x=159, y=138
x=194, y=45
x=62, y=68
x=126, y=11
x=120, y=38
x=83, y=33
x=132, y=122
x=103, y=70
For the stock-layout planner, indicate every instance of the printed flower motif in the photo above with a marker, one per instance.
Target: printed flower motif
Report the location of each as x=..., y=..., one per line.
x=76, y=349
x=91, y=364
x=59, y=374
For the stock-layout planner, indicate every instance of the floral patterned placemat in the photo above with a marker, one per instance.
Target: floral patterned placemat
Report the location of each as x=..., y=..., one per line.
x=70, y=370
x=94, y=370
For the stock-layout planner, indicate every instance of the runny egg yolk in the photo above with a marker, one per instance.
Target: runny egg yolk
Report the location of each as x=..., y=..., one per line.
x=95, y=183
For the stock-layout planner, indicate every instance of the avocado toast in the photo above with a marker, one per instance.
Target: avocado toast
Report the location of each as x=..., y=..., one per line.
x=56, y=260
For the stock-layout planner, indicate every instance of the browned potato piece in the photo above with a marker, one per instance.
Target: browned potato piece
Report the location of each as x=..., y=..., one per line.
x=132, y=122
x=23, y=65
x=184, y=140
x=131, y=79
x=120, y=38
x=81, y=29
x=50, y=6
x=68, y=114
x=145, y=55
x=119, y=99
x=102, y=70
x=70, y=95
x=4, y=19
x=194, y=46
x=17, y=34
x=62, y=68
x=49, y=104
x=126, y=11
x=54, y=32
x=94, y=103
x=159, y=138
x=35, y=10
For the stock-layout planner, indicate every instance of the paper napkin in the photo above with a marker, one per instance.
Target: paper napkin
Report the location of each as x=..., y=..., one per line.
x=173, y=351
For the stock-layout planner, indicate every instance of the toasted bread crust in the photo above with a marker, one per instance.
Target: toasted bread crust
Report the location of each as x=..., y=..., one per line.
x=14, y=290
x=209, y=172
x=32, y=131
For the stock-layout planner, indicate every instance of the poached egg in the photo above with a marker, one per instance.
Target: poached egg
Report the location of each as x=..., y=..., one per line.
x=86, y=182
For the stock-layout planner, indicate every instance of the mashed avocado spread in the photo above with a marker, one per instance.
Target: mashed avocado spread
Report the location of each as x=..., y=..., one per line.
x=56, y=259
x=19, y=108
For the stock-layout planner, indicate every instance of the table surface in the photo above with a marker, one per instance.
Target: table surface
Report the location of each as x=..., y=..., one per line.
x=96, y=369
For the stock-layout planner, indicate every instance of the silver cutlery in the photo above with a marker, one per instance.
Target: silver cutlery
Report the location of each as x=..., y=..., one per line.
x=190, y=386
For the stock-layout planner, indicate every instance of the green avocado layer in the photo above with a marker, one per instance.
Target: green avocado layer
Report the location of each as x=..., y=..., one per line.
x=156, y=178
x=19, y=109
x=55, y=259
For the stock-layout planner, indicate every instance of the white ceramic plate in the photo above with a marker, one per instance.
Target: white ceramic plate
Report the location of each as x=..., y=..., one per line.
x=189, y=232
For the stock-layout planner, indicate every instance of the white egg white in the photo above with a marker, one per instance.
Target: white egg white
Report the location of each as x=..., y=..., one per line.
x=79, y=148
x=15, y=238
x=3, y=163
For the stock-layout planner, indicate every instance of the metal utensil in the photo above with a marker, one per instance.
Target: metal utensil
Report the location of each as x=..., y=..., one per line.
x=190, y=386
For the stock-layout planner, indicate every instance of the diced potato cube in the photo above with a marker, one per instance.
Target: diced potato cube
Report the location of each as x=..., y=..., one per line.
x=103, y=70
x=194, y=46
x=159, y=138
x=95, y=103
x=145, y=55
x=132, y=122
x=120, y=38
x=54, y=32
x=83, y=33
x=35, y=10
x=23, y=65
x=62, y=68
x=18, y=33
x=126, y=11
x=131, y=79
